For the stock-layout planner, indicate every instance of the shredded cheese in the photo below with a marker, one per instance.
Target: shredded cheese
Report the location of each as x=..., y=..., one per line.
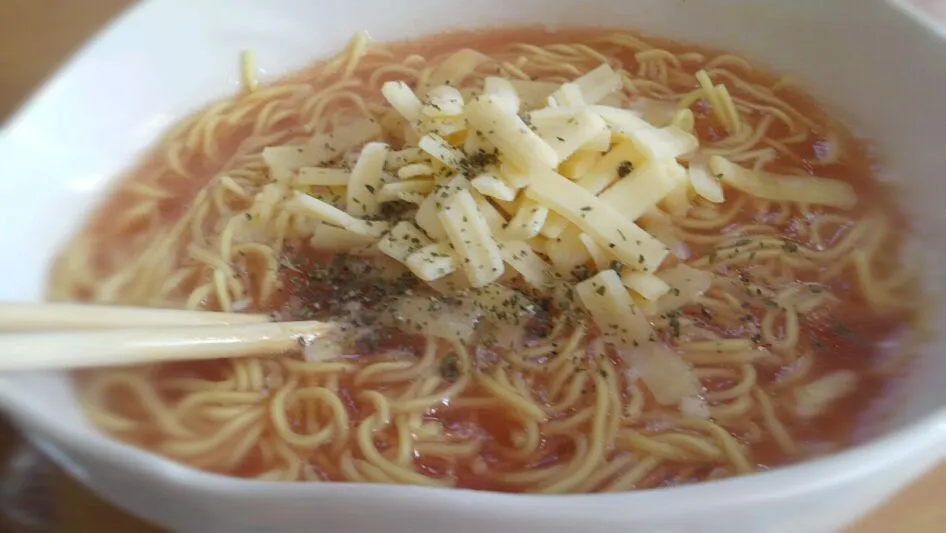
x=598, y=83
x=489, y=185
x=403, y=100
x=567, y=253
x=606, y=225
x=568, y=94
x=813, y=398
x=494, y=219
x=669, y=378
x=441, y=150
x=664, y=143
x=704, y=184
x=443, y=101
x=456, y=68
x=566, y=138
x=323, y=148
x=433, y=261
x=365, y=181
x=426, y=216
x=319, y=176
x=398, y=190
x=533, y=94
x=320, y=210
x=582, y=162
x=403, y=240
x=331, y=238
x=599, y=256
x=556, y=186
x=521, y=257
x=647, y=286
x=527, y=221
x=471, y=238
x=801, y=189
x=611, y=309
x=507, y=132
x=538, y=181
x=642, y=189
x=414, y=170
x=504, y=91
x=624, y=157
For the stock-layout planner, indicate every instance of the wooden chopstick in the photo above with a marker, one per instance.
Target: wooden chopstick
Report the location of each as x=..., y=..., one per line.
x=79, y=349
x=39, y=336
x=16, y=316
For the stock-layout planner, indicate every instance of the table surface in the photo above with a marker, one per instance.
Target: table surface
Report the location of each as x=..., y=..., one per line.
x=36, y=36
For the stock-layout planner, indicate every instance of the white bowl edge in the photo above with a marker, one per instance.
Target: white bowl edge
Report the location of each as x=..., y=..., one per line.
x=919, y=438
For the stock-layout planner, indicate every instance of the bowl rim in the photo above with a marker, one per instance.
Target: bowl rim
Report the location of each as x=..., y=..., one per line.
x=917, y=437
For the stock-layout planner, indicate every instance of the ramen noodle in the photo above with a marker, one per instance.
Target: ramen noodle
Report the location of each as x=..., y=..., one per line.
x=572, y=261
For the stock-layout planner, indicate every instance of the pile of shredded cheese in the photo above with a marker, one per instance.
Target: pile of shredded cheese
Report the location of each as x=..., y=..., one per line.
x=536, y=181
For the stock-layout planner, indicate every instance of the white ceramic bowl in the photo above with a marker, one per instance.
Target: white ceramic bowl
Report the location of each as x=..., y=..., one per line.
x=871, y=62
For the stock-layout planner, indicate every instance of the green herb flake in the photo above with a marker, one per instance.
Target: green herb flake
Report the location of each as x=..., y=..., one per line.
x=625, y=168
x=450, y=367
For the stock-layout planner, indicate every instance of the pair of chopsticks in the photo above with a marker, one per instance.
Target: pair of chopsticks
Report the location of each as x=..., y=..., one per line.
x=36, y=336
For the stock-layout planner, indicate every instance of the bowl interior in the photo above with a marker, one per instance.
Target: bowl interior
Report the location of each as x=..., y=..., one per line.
x=65, y=148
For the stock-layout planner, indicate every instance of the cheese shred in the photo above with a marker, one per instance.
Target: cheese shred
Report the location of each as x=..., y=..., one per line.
x=553, y=184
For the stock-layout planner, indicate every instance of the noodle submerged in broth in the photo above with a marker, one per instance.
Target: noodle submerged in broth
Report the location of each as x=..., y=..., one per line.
x=568, y=262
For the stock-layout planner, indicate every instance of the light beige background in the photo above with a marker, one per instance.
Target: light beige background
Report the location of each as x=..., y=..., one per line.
x=36, y=36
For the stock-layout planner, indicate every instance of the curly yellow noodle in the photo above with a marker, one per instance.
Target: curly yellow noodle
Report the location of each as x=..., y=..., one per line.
x=243, y=448
x=754, y=135
x=197, y=132
x=195, y=447
x=701, y=448
x=141, y=390
x=111, y=422
x=374, y=458
x=631, y=440
x=431, y=400
x=287, y=396
x=537, y=475
x=721, y=220
x=765, y=96
x=596, y=448
x=379, y=417
x=748, y=431
x=619, y=463
x=874, y=290
x=571, y=423
x=635, y=406
x=657, y=54
x=772, y=423
x=525, y=442
x=381, y=372
x=790, y=330
x=731, y=410
x=404, y=452
x=572, y=396
x=630, y=479
x=723, y=60
x=444, y=450
x=521, y=357
x=740, y=388
x=215, y=397
x=523, y=406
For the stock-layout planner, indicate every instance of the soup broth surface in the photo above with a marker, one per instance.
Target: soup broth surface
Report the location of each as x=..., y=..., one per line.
x=795, y=343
